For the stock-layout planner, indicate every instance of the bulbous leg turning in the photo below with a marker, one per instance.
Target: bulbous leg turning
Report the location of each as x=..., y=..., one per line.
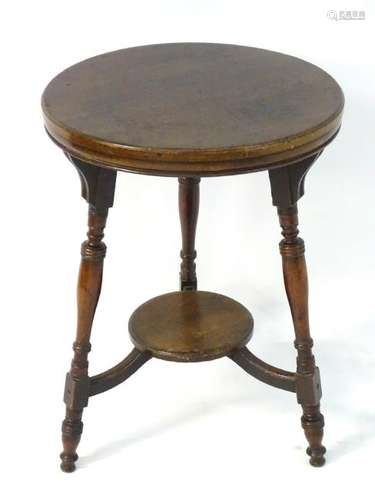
x=308, y=386
x=77, y=381
x=98, y=188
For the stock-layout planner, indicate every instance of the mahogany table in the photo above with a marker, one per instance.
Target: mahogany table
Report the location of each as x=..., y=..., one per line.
x=192, y=110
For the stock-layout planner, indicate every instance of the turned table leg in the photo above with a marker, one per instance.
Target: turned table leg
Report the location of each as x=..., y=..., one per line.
x=188, y=200
x=77, y=380
x=308, y=383
x=287, y=186
x=98, y=189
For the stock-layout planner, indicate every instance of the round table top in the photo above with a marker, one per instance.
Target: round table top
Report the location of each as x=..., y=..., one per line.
x=192, y=109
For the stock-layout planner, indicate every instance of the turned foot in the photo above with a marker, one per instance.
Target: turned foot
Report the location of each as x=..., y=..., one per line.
x=68, y=462
x=313, y=423
x=317, y=458
x=71, y=434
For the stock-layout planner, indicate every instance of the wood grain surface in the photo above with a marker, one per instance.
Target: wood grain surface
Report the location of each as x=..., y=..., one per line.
x=192, y=108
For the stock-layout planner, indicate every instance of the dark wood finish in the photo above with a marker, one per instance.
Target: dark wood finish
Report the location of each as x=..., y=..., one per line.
x=188, y=201
x=119, y=373
x=98, y=190
x=89, y=285
x=308, y=382
x=97, y=184
x=190, y=326
x=262, y=371
x=192, y=109
x=288, y=183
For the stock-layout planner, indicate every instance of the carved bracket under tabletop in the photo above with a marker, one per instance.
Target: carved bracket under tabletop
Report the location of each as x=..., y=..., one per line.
x=264, y=372
x=288, y=183
x=97, y=183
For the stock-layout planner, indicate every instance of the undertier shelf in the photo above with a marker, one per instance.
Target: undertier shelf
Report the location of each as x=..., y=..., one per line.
x=190, y=326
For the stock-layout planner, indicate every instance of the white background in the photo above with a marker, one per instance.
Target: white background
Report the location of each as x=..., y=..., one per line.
x=183, y=431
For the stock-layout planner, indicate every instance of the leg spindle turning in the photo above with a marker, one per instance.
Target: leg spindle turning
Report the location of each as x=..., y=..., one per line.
x=77, y=381
x=308, y=382
x=188, y=198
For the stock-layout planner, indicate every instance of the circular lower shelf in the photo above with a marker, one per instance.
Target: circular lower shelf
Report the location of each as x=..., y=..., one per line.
x=190, y=326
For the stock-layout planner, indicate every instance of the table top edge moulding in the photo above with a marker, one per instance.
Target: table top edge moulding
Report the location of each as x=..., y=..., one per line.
x=118, y=145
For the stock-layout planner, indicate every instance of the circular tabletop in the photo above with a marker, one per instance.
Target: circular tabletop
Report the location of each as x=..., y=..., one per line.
x=192, y=108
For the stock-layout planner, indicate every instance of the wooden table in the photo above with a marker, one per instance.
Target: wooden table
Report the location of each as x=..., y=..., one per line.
x=192, y=110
